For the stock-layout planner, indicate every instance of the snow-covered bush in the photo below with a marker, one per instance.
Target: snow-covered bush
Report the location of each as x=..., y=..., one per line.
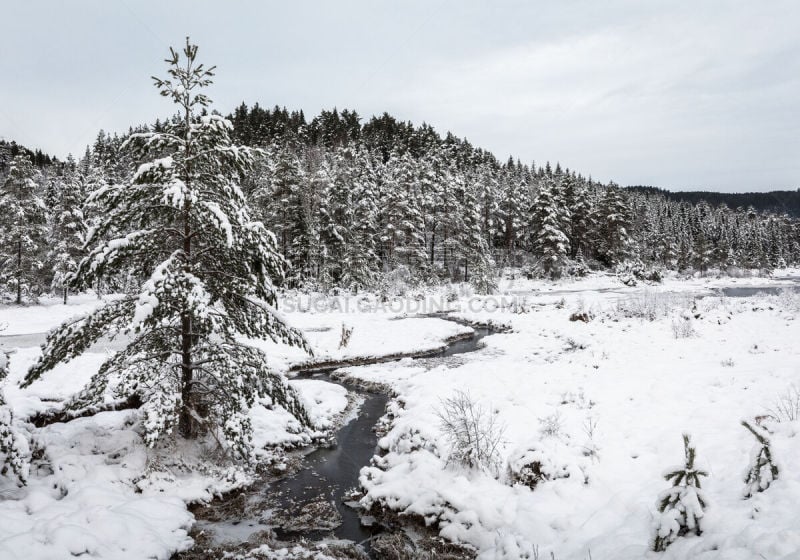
x=582, y=312
x=14, y=448
x=412, y=440
x=787, y=406
x=473, y=432
x=762, y=470
x=682, y=506
x=539, y=462
x=789, y=299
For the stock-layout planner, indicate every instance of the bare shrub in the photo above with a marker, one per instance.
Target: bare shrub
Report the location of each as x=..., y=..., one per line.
x=347, y=332
x=682, y=326
x=551, y=426
x=590, y=448
x=727, y=363
x=473, y=432
x=786, y=407
x=651, y=304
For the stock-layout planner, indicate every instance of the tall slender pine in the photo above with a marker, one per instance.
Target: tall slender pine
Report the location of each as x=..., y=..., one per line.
x=182, y=225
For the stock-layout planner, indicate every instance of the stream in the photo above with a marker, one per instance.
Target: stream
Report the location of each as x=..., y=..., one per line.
x=311, y=504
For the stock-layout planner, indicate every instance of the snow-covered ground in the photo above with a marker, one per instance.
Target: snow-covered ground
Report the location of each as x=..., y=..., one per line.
x=618, y=392
x=615, y=394
x=97, y=490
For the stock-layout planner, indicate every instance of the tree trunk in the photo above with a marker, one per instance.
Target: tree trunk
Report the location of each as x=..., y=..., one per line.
x=65, y=295
x=187, y=425
x=19, y=272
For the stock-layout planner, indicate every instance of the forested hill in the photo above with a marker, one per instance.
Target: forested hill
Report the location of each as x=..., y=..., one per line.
x=8, y=150
x=778, y=202
x=360, y=203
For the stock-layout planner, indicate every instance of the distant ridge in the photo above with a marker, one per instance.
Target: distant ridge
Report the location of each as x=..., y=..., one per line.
x=778, y=202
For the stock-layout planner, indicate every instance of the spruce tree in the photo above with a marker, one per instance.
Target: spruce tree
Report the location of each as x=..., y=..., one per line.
x=550, y=242
x=682, y=506
x=67, y=232
x=23, y=235
x=613, y=227
x=183, y=226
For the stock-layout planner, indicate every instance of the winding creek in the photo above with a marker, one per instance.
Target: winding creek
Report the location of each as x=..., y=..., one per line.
x=317, y=494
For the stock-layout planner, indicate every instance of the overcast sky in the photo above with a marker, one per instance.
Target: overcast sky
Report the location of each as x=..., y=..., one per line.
x=681, y=95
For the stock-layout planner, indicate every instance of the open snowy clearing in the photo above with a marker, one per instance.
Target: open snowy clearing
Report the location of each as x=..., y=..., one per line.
x=627, y=381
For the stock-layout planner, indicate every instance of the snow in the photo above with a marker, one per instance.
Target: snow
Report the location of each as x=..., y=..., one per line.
x=108, y=496
x=642, y=386
x=600, y=405
x=223, y=222
x=85, y=502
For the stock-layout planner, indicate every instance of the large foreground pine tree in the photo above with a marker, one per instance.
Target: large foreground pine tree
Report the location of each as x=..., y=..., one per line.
x=183, y=227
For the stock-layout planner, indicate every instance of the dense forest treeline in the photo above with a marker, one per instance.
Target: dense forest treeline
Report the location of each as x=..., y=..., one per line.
x=360, y=204
x=777, y=202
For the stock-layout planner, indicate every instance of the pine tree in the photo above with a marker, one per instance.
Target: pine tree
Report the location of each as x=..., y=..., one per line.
x=402, y=228
x=613, y=227
x=550, y=241
x=67, y=232
x=24, y=231
x=582, y=221
x=762, y=470
x=182, y=224
x=348, y=221
x=702, y=252
x=474, y=249
x=682, y=506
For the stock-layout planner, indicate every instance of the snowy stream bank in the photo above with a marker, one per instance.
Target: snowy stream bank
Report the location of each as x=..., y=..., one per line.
x=316, y=501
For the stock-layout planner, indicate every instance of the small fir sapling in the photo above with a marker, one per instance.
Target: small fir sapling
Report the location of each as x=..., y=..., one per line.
x=762, y=470
x=682, y=506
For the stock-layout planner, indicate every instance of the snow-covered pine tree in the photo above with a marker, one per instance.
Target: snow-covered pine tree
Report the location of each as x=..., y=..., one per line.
x=348, y=221
x=514, y=207
x=67, y=230
x=702, y=252
x=613, y=227
x=361, y=263
x=550, y=242
x=183, y=226
x=278, y=195
x=14, y=446
x=682, y=506
x=582, y=221
x=402, y=228
x=24, y=231
x=473, y=245
x=762, y=470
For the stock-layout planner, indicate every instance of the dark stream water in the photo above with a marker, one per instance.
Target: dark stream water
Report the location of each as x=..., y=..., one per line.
x=328, y=474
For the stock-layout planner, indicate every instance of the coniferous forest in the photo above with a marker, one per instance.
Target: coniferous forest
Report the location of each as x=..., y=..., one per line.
x=352, y=200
